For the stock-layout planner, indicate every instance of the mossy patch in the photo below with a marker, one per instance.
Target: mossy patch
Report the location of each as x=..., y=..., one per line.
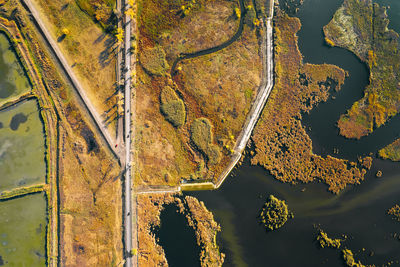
x=172, y=107
x=153, y=60
x=202, y=137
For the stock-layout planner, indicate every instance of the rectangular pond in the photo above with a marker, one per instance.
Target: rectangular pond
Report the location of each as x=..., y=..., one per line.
x=22, y=146
x=23, y=231
x=13, y=81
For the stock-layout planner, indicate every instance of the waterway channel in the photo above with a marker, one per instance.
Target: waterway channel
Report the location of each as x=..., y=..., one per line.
x=359, y=212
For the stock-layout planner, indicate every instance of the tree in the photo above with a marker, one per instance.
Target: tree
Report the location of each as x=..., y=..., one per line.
x=65, y=31
x=120, y=35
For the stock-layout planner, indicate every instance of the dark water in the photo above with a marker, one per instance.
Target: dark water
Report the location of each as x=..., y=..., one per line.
x=175, y=230
x=322, y=120
x=358, y=212
x=16, y=120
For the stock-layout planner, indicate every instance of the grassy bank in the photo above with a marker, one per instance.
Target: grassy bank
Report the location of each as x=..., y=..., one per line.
x=21, y=191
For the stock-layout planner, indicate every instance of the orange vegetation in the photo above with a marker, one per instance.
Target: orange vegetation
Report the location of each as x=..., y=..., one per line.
x=199, y=218
x=219, y=86
x=391, y=151
x=362, y=27
x=281, y=143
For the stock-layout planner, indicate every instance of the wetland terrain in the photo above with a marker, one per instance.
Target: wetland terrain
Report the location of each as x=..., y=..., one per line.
x=105, y=101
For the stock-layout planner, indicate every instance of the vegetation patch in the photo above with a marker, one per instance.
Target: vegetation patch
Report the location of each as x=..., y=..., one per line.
x=202, y=137
x=219, y=86
x=275, y=213
x=348, y=258
x=101, y=11
x=361, y=27
x=88, y=50
x=391, y=151
x=395, y=212
x=205, y=27
x=153, y=60
x=172, y=107
x=282, y=145
x=326, y=242
x=84, y=191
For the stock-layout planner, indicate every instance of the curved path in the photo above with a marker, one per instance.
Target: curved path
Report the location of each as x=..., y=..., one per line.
x=214, y=49
x=255, y=111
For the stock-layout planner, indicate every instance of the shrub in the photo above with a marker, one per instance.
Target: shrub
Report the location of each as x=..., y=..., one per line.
x=172, y=107
x=325, y=241
x=348, y=257
x=213, y=154
x=201, y=133
x=202, y=137
x=153, y=60
x=274, y=214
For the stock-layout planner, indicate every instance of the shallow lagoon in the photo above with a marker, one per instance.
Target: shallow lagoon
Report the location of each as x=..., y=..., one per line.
x=22, y=148
x=23, y=231
x=13, y=82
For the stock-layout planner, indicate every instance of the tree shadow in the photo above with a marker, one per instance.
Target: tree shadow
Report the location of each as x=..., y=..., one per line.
x=61, y=38
x=109, y=52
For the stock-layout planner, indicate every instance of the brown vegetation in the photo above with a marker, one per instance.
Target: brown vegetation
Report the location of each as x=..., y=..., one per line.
x=100, y=10
x=395, y=212
x=199, y=218
x=361, y=27
x=153, y=60
x=219, y=87
x=90, y=189
x=89, y=50
x=282, y=145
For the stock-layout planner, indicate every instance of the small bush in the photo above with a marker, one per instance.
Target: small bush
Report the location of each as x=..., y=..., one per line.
x=153, y=61
x=202, y=137
x=172, y=107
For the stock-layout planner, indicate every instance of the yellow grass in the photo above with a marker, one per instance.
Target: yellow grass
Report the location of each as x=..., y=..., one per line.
x=88, y=50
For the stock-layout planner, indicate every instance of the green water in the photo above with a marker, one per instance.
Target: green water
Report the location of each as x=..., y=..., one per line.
x=23, y=231
x=22, y=148
x=13, y=81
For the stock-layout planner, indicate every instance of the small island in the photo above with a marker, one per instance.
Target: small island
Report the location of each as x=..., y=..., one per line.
x=275, y=213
